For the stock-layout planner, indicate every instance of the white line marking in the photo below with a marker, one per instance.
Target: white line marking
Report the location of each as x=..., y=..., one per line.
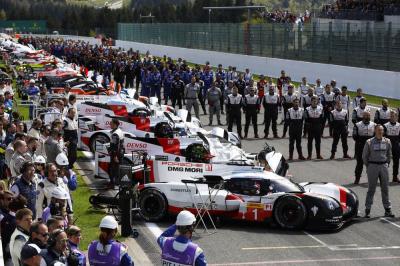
x=295, y=247
x=154, y=229
x=364, y=248
x=316, y=239
x=306, y=261
x=392, y=223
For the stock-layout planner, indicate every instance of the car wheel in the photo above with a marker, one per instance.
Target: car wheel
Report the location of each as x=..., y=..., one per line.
x=153, y=205
x=101, y=138
x=290, y=213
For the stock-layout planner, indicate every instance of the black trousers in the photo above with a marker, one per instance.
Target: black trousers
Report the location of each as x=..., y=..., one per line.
x=72, y=153
x=342, y=135
x=292, y=139
x=251, y=116
x=235, y=117
x=358, y=154
x=326, y=115
x=270, y=118
x=176, y=99
x=313, y=134
x=395, y=158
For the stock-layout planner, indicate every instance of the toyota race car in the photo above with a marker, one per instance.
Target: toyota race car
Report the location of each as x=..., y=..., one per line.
x=253, y=195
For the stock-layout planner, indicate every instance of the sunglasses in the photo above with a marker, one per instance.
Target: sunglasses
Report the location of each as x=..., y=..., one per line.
x=45, y=234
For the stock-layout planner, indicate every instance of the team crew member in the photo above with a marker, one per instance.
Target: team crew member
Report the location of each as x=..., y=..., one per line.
x=180, y=250
x=116, y=150
x=344, y=98
x=71, y=136
x=219, y=83
x=191, y=95
x=283, y=83
x=287, y=103
x=56, y=249
x=359, y=96
x=358, y=112
x=376, y=157
x=202, y=98
x=362, y=131
x=214, y=96
x=74, y=238
x=318, y=89
x=314, y=117
x=303, y=88
x=227, y=92
x=21, y=234
x=306, y=102
x=251, y=108
x=107, y=251
x=295, y=118
x=270, y=103
x=340, y=120
x=392, y=132
x=382, y=115
x=234, y=104
x=327, y=101
x=177, y=90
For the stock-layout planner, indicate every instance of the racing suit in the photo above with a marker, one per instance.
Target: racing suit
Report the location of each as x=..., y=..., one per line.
x=306, y=102
x=156, y=85
x=177, y=90
x=214, y=96
x=357, y=114
x=221, y=86
x=251, y=108
x=191, y=94
x=327, y=101
x=382, y=116
x=234, y=106
x=314, y=118
x=294, y=118
x=361, y=133
x=270, y=104
x=287, y=103
x=116, y=152
x=392, y=132
x=71, y=136
x=340, y=121
x=241, y=85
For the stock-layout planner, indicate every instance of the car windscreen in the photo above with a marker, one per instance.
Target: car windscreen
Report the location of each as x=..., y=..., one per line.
x=284, y=185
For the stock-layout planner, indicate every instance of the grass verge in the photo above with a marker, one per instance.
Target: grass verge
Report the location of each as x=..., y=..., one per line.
x=88, y=219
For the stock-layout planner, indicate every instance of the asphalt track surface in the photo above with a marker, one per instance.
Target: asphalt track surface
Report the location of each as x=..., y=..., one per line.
x=374, y=241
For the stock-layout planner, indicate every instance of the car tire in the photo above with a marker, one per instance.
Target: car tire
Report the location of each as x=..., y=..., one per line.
x=290, y=213
x=102, y=138
x=153, y=205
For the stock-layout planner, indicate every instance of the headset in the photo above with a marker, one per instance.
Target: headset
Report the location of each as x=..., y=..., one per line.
x=52, y=241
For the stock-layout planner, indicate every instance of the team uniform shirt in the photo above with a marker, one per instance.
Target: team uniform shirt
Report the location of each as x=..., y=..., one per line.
x=356, y=101
x=306, y=100
x=319, y=90
x=382, y=116
x=303, y=89
x=358, y=113
x=345, y=100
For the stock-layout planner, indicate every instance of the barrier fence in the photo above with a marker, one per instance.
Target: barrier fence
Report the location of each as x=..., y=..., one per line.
x=368, y=45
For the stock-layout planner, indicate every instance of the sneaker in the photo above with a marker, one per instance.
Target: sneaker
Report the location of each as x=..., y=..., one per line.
x=346, y=156
x=301, y=158
x=309, y=157
x=276, y=136
x=256, y=136
x=319, y=157
x=367, y=212
x=332, y=156
x=388, y=213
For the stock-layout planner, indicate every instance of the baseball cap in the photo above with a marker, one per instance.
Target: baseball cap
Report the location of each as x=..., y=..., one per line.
x=29, y=251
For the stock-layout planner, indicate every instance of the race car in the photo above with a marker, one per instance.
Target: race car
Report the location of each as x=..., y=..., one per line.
x=253, y=195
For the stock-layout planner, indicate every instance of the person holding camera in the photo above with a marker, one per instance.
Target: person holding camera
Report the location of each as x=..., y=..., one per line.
x=57, y=206
x=180, y=249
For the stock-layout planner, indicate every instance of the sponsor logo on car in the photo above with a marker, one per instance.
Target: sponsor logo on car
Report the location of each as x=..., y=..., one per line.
x=92, y=110
x=135, y=145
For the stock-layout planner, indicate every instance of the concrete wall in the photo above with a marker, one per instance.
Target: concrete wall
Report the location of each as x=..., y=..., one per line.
x=375, y=82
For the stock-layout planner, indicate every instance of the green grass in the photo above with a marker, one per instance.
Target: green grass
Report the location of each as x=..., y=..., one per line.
x=88, y=219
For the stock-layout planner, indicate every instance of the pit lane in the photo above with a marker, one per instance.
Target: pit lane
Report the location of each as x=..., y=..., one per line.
x=363, y=242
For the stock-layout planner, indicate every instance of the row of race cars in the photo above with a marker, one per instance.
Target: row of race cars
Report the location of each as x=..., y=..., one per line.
x=187, y=164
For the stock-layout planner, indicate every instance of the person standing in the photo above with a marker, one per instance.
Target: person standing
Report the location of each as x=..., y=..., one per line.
x=362, y=131
x=339, y=119
x=234, y=106
x=376, y=156
x=251, y=108
x=191, y=95
x=116, y=151
x=287, y=103
x=74, y=239
x=56, y=251
x=177, y=90
x=270, y=104
x=359, y=111
x=344, y=98
x=392, y=132
x=21, y=234
x=214, y=95
x=314, y=117
x=327, y=101
x=240, y=84
x=303, y=88
x=107, y=251
x=71, y=136
x=180, y=250
x=382, y=115
x=227, y=92
x=359, y=96
x=318, y=89
x=305, y=103
x=202, y=98
x=221, y=85
x=295, y=118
